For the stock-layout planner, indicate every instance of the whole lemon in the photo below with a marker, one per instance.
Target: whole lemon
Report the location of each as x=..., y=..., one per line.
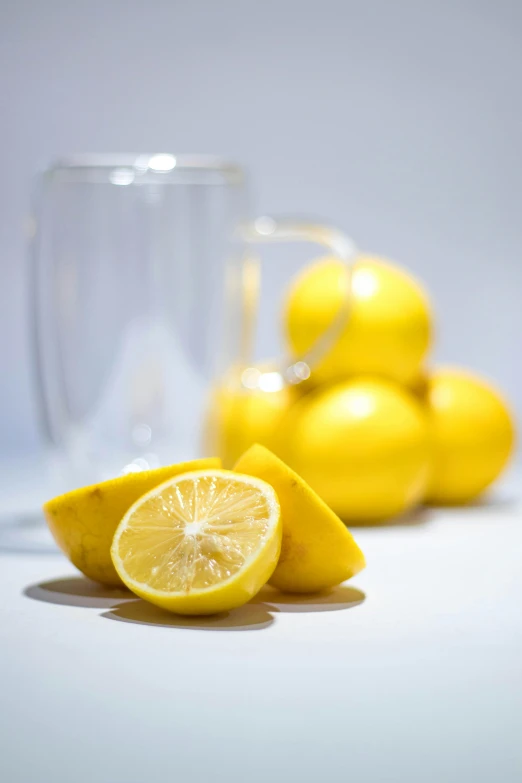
x=473, y=435
x=362, y=445
x=388, y=326
x=238, y=417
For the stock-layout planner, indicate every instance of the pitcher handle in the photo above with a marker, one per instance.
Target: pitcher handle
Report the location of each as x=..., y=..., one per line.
x=296, y=369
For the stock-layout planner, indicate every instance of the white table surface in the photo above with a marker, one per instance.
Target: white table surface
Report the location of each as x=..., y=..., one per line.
x=412, y=673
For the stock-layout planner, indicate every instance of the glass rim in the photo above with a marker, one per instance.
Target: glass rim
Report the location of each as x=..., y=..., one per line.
x=156, y=163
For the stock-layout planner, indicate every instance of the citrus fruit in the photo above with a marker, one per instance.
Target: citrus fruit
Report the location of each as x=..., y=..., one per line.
x=201, y=543
x=317, y=550
x=388, y=327
x=473, y=435
x=362, y=445
x=83, y=522
x=239, y=417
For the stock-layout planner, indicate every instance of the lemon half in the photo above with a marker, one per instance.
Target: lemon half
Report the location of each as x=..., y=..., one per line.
x=83, y=522
x=201, y=543
x=317, y=551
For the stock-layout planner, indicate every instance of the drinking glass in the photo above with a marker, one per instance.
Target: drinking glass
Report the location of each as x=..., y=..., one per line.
x=144, y=277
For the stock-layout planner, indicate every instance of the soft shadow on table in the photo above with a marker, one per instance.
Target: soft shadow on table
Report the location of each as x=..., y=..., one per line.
x=122, y=605
x=249, y=617
x=335, y=599
x=414, y=518
x=77, y=591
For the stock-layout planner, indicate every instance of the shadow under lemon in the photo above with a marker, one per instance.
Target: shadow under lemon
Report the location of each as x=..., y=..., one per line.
x=257, y=614
x=122, y=605
x=77, y=591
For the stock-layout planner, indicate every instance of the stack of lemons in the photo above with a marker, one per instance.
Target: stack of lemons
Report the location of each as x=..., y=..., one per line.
x=372, y=431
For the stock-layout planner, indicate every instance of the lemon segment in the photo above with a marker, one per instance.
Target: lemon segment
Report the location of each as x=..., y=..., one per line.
x=201, y=543
x=317, y=551
x=83, y=522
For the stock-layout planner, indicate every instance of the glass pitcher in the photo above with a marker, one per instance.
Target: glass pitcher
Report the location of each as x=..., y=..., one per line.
x=144, y=299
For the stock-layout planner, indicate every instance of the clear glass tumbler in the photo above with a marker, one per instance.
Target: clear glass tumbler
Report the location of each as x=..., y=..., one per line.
x=142, y=295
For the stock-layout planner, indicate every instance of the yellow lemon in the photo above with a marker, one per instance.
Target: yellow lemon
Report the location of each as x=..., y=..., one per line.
x=200, y=543
x=388, y=327
x=83, y=522
x=239, y=417
x=473, y=435
x=362, y=445
x=317, y=551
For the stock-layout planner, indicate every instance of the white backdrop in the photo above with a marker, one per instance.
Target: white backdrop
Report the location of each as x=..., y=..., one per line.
x=398, y=121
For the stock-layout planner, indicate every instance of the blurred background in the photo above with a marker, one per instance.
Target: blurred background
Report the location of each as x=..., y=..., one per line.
x=398, y=122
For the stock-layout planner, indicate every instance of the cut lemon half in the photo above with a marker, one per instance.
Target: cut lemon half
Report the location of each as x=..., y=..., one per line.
x=83, y=522
x=200, y=543
x=317, y=551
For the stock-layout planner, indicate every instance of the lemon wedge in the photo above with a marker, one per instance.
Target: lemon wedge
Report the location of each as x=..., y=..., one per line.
x=200, y=543
x=318, y=551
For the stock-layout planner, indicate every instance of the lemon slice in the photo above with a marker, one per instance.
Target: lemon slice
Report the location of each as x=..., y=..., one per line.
x=83, y=522
x=201, y=543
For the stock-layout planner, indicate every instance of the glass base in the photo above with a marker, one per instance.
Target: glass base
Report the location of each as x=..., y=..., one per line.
x=27, y=534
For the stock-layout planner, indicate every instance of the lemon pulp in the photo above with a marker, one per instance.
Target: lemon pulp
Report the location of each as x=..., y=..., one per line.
x=200, y=543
